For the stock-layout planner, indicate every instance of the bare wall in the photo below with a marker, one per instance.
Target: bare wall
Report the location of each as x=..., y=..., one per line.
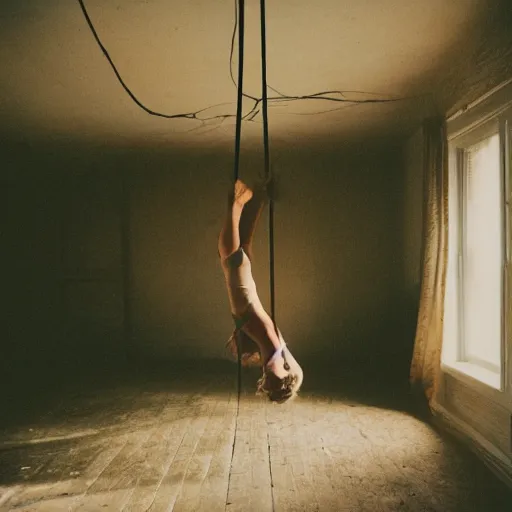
x=412, y=226
x=336, y=236
x=337, y=266
x=61, y=283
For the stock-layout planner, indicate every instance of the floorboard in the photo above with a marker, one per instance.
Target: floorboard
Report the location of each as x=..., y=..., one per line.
x=180, y=441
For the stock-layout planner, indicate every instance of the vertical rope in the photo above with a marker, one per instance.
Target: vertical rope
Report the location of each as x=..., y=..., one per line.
x=240, y=90
x=236, y=166
x=266, y=151
x=238, y=131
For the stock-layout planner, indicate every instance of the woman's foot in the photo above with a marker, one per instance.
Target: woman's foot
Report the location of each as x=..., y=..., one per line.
x=242, y=193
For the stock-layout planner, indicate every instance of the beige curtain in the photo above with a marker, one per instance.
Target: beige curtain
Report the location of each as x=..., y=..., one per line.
x=426, y=359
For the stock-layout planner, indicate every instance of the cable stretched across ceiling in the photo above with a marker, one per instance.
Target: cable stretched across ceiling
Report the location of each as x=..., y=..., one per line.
x=329, y=96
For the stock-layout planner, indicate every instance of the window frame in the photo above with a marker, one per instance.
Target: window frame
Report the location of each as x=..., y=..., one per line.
x=506, y=127
x=490, y=115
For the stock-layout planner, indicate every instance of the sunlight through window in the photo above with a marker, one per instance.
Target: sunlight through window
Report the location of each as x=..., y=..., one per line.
x=482, y=254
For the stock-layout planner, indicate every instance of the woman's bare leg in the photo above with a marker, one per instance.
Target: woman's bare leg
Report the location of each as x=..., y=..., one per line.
x=249, y=219
x=229, y=238
x=238, y=229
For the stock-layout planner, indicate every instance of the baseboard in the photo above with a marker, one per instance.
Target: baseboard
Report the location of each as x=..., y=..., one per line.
x=497, y=461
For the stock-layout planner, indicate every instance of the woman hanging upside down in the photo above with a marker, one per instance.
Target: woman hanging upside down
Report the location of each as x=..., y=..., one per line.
x=255, y=332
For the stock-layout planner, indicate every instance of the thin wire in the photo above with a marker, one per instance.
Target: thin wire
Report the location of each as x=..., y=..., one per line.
x=231, y=52
x=232, y=47
x=252, y=113
x=189, y=115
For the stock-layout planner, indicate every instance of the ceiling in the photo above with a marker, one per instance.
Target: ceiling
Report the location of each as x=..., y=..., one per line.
x=174, y=55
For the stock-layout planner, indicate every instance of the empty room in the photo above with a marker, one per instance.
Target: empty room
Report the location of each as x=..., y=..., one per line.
x=247, y=255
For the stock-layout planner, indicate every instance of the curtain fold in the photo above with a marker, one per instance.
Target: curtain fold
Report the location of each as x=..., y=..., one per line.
x=426, y=358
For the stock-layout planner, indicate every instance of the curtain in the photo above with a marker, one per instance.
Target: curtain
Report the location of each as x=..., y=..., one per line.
x=426, y=358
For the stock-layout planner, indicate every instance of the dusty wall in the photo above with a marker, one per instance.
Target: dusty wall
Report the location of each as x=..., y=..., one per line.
x=412, y=229
x=337, y=264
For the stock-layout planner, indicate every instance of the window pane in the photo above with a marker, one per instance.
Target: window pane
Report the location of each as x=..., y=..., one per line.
x=482, y=255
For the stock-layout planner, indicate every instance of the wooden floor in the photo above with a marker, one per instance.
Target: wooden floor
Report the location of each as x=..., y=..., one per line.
x=183, y=443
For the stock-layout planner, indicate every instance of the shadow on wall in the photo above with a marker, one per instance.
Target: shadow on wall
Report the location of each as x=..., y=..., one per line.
x=338, y=248
x=336, y=261
x=65, y=260
x=337, y=257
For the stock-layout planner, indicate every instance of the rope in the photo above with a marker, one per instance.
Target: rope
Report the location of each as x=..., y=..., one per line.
x=236, y=167
x=240, y=91
x=238, y=132
x=266, y=150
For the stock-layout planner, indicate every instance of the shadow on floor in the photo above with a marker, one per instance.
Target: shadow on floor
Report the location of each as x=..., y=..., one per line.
x=55, y=428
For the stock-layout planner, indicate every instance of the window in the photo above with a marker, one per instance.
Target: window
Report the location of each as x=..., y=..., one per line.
x=481, y=253
x=475, y=335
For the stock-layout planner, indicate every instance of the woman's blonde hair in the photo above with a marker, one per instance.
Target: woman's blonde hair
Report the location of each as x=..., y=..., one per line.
x=278, y=390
